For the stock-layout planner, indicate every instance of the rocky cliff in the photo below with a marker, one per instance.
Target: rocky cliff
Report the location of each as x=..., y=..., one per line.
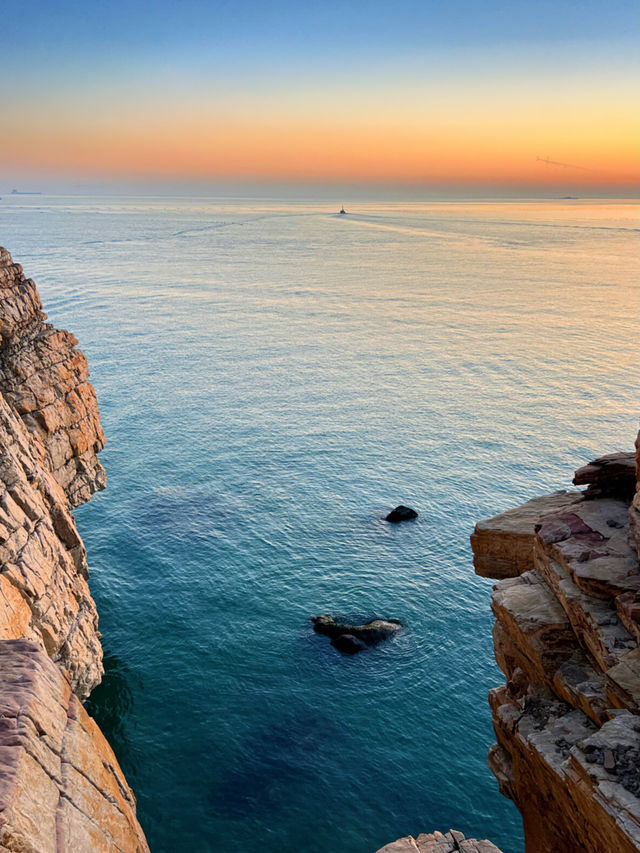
x=566, y=636
x=60, y=785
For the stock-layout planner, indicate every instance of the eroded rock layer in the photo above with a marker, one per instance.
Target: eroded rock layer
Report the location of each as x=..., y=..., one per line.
x=566, y=636
x=61, y=789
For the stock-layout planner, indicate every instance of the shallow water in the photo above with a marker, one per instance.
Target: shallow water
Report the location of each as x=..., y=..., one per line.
x=272, y=378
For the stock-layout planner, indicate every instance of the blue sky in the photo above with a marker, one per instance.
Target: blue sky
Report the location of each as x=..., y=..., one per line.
x=47, y=28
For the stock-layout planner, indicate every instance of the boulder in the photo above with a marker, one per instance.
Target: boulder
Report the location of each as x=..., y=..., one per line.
x=354, y=638
x=401, y=513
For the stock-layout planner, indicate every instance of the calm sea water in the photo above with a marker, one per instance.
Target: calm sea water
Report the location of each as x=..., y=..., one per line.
x=272, y=379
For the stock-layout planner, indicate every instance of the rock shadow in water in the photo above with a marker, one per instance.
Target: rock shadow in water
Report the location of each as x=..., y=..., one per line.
x=274, y=763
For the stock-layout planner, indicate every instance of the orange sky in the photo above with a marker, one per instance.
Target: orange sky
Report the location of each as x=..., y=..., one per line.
x=450, y=118
x=426, y=148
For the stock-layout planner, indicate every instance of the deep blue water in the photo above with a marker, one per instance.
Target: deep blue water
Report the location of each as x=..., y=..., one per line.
x=272, y=379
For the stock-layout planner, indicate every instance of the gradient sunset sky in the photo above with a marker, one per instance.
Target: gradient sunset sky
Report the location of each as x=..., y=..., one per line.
x=412, y=92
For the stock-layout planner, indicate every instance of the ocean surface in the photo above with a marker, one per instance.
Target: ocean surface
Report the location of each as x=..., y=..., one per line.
x=273, y=378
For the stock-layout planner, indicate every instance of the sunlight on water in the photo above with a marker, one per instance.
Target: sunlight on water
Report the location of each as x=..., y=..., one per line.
x=272, y=378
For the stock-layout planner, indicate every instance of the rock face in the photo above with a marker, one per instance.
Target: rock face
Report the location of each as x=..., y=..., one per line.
x=43, y=579
x=566, y=636
x=61, y=789
x=44, y=378
x=438, y=842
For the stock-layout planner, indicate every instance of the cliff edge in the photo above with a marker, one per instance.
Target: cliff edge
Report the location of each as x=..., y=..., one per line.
x=61, y=788
x=566, y=636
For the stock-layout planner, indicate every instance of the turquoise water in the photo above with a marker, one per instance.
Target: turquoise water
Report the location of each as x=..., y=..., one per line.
x=272, y=379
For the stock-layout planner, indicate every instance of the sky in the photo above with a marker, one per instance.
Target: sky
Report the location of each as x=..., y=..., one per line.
x=468, y=94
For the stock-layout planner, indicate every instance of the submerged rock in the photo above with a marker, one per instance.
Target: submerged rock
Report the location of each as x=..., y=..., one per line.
x=354, y=638
x=401, y=513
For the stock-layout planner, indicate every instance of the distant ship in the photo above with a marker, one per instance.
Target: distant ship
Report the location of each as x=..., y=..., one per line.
x=20, y=192
x=342, y=211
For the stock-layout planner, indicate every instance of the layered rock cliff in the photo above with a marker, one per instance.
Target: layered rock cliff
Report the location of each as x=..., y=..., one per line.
x=566, y=636
x=60, y=785
x=44, y=378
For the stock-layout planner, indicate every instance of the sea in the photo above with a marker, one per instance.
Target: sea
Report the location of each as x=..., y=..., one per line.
x=273, y=378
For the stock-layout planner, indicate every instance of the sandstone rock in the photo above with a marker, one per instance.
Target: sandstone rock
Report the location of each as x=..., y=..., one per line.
x=438, y=842
x=44, y=378
x=401, y=513
x=609, y=476
x=49, y=435
x=43, y=588
x=535, y=643
x=566, y=802
x=566, y=636
x=596, y=554
x=61, y=788
x=503, y=546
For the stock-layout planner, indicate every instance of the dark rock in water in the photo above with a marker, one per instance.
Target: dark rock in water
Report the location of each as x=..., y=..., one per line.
x=348, y=644
x=401, y=513
x=368, y=634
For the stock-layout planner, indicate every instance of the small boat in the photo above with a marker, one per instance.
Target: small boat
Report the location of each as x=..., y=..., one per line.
x=342, y=211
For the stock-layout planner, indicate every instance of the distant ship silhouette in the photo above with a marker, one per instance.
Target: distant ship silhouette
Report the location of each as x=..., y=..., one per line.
x=342, y=211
